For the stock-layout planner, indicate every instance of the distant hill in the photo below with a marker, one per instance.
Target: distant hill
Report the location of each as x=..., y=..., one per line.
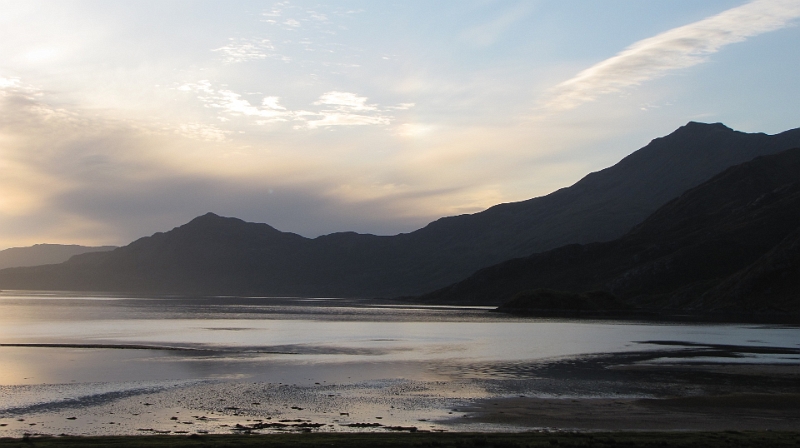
x=216, y=255
x=40, y=254
x=731, y=244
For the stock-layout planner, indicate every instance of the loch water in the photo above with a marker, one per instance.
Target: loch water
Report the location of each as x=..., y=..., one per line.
x=83, y=350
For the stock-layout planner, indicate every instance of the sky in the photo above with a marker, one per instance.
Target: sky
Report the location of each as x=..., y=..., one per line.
x=121, y=119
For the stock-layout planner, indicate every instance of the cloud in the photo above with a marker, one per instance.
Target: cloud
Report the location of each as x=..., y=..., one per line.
x=244, y=50
x=292, y=23
x=14, y=87
x=413, y=130
x=73, y=176
x=277, y=15
x=8, y=83
x=272, y=103
x=48, y=152
x=337, y=109
x=308, y=35
x=345, y=100
x=347, y=119
x=70, y=176
x=675, y=49
x=199, y=131
x=347, y=109
x=402, y=106
x=231, y=103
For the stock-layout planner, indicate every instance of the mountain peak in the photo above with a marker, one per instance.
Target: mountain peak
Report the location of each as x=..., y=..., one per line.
x=696, y=132
x=211, y=220
x=695, y=126
x=208, y=218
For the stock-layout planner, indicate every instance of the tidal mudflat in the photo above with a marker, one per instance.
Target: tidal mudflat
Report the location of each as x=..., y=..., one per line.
x=92, y=365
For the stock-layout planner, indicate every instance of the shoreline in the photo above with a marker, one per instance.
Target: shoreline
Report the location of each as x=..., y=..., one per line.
x=656, y=317
x=635, y=315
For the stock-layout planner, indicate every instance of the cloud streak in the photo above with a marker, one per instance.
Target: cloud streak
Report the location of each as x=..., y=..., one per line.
x=675, y=49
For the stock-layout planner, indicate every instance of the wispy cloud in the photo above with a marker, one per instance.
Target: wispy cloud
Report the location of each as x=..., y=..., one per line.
x=413, y=130
x=292, y=17
x=72, y=176
x=15, y=87
x=345, y=101
x=677, y=48
x=8, y=83
x=335, y=118
x=244, y=50
x=199, y=131
x=402, y=106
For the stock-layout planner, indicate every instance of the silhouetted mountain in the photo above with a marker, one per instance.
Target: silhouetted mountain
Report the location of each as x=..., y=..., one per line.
x=771, y=284
x=544, y=302
x=731, y=244
x=214, y=255
x=40, y=254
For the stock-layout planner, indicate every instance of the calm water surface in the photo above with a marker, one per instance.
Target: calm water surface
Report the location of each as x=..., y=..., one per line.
x=227, y=336
x=68, y=347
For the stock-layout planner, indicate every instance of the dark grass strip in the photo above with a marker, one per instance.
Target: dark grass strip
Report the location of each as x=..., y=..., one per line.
x=441, y=440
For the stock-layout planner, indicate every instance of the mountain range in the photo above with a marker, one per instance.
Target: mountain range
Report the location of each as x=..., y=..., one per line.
x=40, y=254
x=217, y=255
x=729, y=245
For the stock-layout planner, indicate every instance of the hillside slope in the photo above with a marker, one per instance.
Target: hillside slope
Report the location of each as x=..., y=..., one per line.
x=731, y=244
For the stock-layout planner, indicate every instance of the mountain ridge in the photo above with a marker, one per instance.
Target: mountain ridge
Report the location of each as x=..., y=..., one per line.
x=215, y=255
x=41, y=254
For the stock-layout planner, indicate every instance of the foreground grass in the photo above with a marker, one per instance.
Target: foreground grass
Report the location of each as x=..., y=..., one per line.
x=443, y=440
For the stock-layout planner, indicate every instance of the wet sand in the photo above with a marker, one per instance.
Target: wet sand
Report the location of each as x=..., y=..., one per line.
x=616, y=392
x=730, y=412
x=702, y=397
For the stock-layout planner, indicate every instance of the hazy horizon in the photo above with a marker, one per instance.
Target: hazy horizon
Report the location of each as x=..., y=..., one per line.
x=119, y=120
